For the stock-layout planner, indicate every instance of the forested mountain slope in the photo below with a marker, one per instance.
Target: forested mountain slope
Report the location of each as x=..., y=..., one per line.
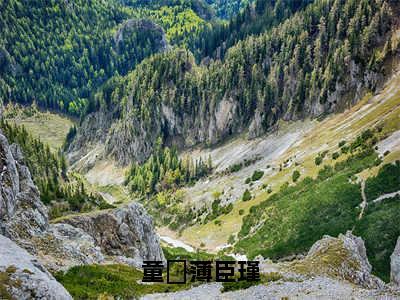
x=254, y=18
x=58, y=52
x=319, y=61
x=228, y=8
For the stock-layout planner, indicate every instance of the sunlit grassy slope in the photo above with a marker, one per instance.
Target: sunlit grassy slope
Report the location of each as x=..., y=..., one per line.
x=380, y=109
x=50, y=127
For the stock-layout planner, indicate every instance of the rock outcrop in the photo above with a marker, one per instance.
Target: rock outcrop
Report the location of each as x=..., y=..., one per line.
x=343, y=257
x=63, y=246
x=22, y=214
x=395, y=265
x=125, y=234
x=127, y=231
x=132, y=26
x=23, y=277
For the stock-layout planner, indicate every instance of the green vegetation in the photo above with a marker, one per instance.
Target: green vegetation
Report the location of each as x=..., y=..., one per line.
x=320, y=158
x=217, y=210
x=49, y=127
x=308, y=55
x=380, y=228
x=296, y=175
x=237, y=167
x=328, y=204
x=228, y=9
x=49, y=172
x=180, y=21
x=199, y=255
x=118, y=281
x=58, y=54
x=252, y=20
x=246, y=195
x=165, y=171
x=387, y=181
x=380, y=225
x=257, y=175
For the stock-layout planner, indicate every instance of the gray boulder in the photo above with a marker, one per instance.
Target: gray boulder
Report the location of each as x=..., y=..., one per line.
x=63, y=246
x=395, y=265
x=343, y=257
x=23, y=277
x=126, y=231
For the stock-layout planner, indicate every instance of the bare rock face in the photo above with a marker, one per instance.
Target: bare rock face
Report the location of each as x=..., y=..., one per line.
x=131, y=26
x=343, y=257
x=127, y=231
x=395, y=265
x=63, y=246
x=23, y=277
x=123, y=234
x=22, y=214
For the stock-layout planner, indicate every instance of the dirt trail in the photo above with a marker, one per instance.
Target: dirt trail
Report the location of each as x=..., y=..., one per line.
x=364, y=203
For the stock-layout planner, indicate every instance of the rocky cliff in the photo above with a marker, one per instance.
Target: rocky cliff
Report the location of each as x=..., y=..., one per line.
x=22, y=214
x=334, y=268
x=395, y=265
x=127, y=231
x=125, y=234
x=344, y=257
x=23, y=277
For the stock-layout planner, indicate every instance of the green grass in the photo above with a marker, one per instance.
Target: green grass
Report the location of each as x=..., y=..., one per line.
x=387, y=181
x=380, y=226
x=257, y=175
x=116, y=191
x=293, y=219
x=51, y=128
x=118, y=281
x=121, y=281
x=180, y=253
x=298, y=216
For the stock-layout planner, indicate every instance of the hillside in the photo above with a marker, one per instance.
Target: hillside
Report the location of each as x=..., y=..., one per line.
x=58, y=54
x=257, y=221
x=204, y=130
x=166, y=98
x=304, y=67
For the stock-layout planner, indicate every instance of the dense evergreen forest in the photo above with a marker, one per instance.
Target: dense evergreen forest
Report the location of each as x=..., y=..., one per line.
x=164, y=170
x=227, y=9
x=254, y=19
x=58, y=53
x=78, y=46
x=313, y=63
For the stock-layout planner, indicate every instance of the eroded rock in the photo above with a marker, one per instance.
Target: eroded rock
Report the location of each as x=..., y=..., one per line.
x=343, y=257
x=22, y=214
x=127, y=231
x=124, y=234
x=63, y=246
x=23, y=277
x=395, y=265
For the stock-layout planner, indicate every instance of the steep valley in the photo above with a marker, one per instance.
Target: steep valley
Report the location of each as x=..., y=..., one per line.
x=293, y=146
x=134, y=131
